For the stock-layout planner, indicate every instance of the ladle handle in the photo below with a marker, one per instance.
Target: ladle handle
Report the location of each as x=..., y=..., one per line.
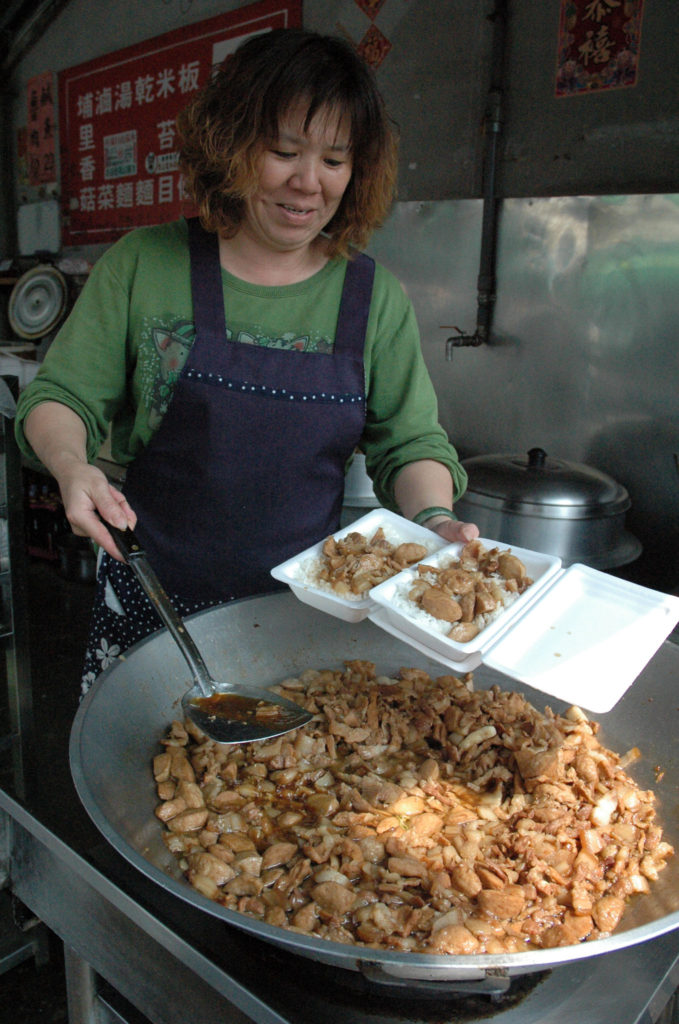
x=135, y=556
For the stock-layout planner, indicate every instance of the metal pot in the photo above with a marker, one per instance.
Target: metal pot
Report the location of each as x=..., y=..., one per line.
x=261, y=640
x=566, y=509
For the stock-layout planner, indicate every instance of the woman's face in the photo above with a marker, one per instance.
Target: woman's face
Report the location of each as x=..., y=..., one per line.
x=302, y=178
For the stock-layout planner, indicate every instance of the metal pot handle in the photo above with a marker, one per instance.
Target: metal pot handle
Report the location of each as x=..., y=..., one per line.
x=536, y=458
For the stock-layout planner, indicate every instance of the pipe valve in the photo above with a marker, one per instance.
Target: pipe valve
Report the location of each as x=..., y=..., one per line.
x=462, y=340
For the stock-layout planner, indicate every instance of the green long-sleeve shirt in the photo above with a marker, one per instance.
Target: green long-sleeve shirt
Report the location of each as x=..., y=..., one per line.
x=116, y=359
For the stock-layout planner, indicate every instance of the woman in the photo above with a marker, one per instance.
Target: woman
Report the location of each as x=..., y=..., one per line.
x=241, y=356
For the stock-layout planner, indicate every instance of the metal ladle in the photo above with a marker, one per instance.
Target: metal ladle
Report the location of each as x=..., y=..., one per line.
x=223, y=712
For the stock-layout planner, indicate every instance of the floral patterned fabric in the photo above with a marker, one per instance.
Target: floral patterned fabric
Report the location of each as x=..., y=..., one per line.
x=112, y=630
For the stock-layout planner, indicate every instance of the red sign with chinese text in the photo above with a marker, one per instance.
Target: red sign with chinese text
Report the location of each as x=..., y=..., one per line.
x=119, y=157
x=40, y=130
x=599, y=44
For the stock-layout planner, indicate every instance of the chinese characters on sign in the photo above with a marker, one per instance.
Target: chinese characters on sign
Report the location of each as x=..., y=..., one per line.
x=599, y=44
x=40, y=130
x=119, y=149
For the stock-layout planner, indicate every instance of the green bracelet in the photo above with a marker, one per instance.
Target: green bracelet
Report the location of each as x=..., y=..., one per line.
x=429, y=513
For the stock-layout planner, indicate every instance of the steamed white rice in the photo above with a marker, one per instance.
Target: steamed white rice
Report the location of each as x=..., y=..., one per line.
x=402, y=603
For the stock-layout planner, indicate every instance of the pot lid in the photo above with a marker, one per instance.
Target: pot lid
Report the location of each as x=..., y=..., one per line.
x=37, y=302
x=549, y=485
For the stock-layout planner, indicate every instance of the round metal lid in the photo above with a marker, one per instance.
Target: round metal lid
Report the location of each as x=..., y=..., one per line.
x=554, y=486
x=37, y=302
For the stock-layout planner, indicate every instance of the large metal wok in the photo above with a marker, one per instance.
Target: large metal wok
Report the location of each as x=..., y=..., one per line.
x=260, y=641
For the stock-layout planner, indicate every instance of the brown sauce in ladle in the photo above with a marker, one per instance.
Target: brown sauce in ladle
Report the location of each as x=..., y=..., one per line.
x=236, y=708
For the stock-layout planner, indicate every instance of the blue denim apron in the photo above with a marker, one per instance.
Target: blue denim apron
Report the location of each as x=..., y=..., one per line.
x=246, y=468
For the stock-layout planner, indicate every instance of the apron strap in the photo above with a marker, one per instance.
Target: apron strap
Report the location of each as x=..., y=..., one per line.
x=354, y=310
x=206, y=282
x=208, y=302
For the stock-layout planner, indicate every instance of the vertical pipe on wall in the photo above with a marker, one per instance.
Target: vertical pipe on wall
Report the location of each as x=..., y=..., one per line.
x=492, y=124
x=491, y=203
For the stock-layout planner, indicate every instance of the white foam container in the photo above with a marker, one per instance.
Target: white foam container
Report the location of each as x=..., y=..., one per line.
x=576, y=634
x=396, y=528
x=540, y=567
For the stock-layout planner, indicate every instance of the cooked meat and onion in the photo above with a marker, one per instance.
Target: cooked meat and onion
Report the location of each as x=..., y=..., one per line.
x=414, y=813
x=351, y=565
x=467, y=592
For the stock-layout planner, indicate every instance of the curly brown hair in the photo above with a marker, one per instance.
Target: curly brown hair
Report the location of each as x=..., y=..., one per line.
x=237, y=114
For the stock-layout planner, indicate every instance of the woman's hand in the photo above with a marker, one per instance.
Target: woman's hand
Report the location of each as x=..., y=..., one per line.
x=88, y=499
x=58, y=438
x=452, y=530
x=427, y=484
